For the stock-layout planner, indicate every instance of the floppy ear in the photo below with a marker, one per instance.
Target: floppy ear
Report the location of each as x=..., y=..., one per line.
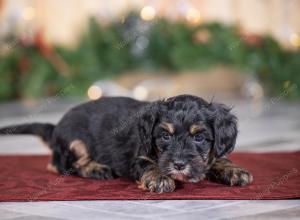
x=225, y=129
x=146, y=124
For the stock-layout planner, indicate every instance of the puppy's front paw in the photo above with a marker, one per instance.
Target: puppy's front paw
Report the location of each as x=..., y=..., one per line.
x=237, y=176
x=156, y=182
x=225, y=172
x=232, y=175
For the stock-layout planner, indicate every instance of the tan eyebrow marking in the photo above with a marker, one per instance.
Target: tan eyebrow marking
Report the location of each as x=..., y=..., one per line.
x=195, y=128
x=168, y=127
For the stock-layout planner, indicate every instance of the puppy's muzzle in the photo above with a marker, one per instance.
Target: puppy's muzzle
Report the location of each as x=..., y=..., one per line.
x=182, y=171
x=179, y=165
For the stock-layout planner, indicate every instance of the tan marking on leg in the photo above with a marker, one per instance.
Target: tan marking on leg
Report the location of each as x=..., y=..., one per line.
x=84, y=164
x=79, y=148
x=90, y=167
x=51, y=168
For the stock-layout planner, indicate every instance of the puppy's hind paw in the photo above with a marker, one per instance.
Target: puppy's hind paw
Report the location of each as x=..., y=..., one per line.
x=96, y=171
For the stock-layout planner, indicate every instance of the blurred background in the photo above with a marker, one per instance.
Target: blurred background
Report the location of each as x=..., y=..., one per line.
x=55, y=54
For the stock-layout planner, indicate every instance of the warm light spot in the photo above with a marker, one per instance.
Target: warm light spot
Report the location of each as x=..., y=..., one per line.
x=94, y=92
x=148, y=13
x=193, y=16
x=28, y=13
x=140, y=93
x=295, y=40
x=256, y=91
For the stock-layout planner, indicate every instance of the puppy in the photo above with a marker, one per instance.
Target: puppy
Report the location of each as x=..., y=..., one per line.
x=182, y=138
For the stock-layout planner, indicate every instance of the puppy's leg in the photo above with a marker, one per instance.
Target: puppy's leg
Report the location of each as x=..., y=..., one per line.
x=58, y=163
x=52, y=168
x=149, y=176
x=225, y=172
x=87, y=167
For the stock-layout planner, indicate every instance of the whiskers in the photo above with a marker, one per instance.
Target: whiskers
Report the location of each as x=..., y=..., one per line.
x=167, y=170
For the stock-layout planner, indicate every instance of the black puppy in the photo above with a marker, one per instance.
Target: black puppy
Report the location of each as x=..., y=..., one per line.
x=181, y=138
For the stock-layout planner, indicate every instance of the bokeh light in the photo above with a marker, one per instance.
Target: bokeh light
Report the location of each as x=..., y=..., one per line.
x=193, y=16
x=148, y=13
x=28, y=13
x=295, y=40
x=140, y=93
x=94, y=92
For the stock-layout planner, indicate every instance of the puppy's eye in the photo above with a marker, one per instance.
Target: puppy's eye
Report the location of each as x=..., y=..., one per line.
x=199, y=138
x=166, y=136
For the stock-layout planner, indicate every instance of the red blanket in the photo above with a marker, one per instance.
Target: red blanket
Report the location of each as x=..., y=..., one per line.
x=24, y=178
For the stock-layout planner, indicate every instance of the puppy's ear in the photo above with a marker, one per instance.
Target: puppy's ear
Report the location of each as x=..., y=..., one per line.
x=225, y=129
x=146, y=124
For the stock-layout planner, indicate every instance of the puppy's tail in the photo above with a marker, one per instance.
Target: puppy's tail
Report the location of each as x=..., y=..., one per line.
x=44, y=130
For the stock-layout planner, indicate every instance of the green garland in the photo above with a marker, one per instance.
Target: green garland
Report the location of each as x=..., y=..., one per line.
x=104, y=52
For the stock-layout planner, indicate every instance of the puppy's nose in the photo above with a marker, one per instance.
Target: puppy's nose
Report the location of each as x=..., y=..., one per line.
x=179, y=165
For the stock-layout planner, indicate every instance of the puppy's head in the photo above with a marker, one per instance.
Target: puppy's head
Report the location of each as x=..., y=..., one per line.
x=187, y=134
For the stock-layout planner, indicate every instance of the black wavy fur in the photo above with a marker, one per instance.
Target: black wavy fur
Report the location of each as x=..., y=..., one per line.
x=126, y=136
